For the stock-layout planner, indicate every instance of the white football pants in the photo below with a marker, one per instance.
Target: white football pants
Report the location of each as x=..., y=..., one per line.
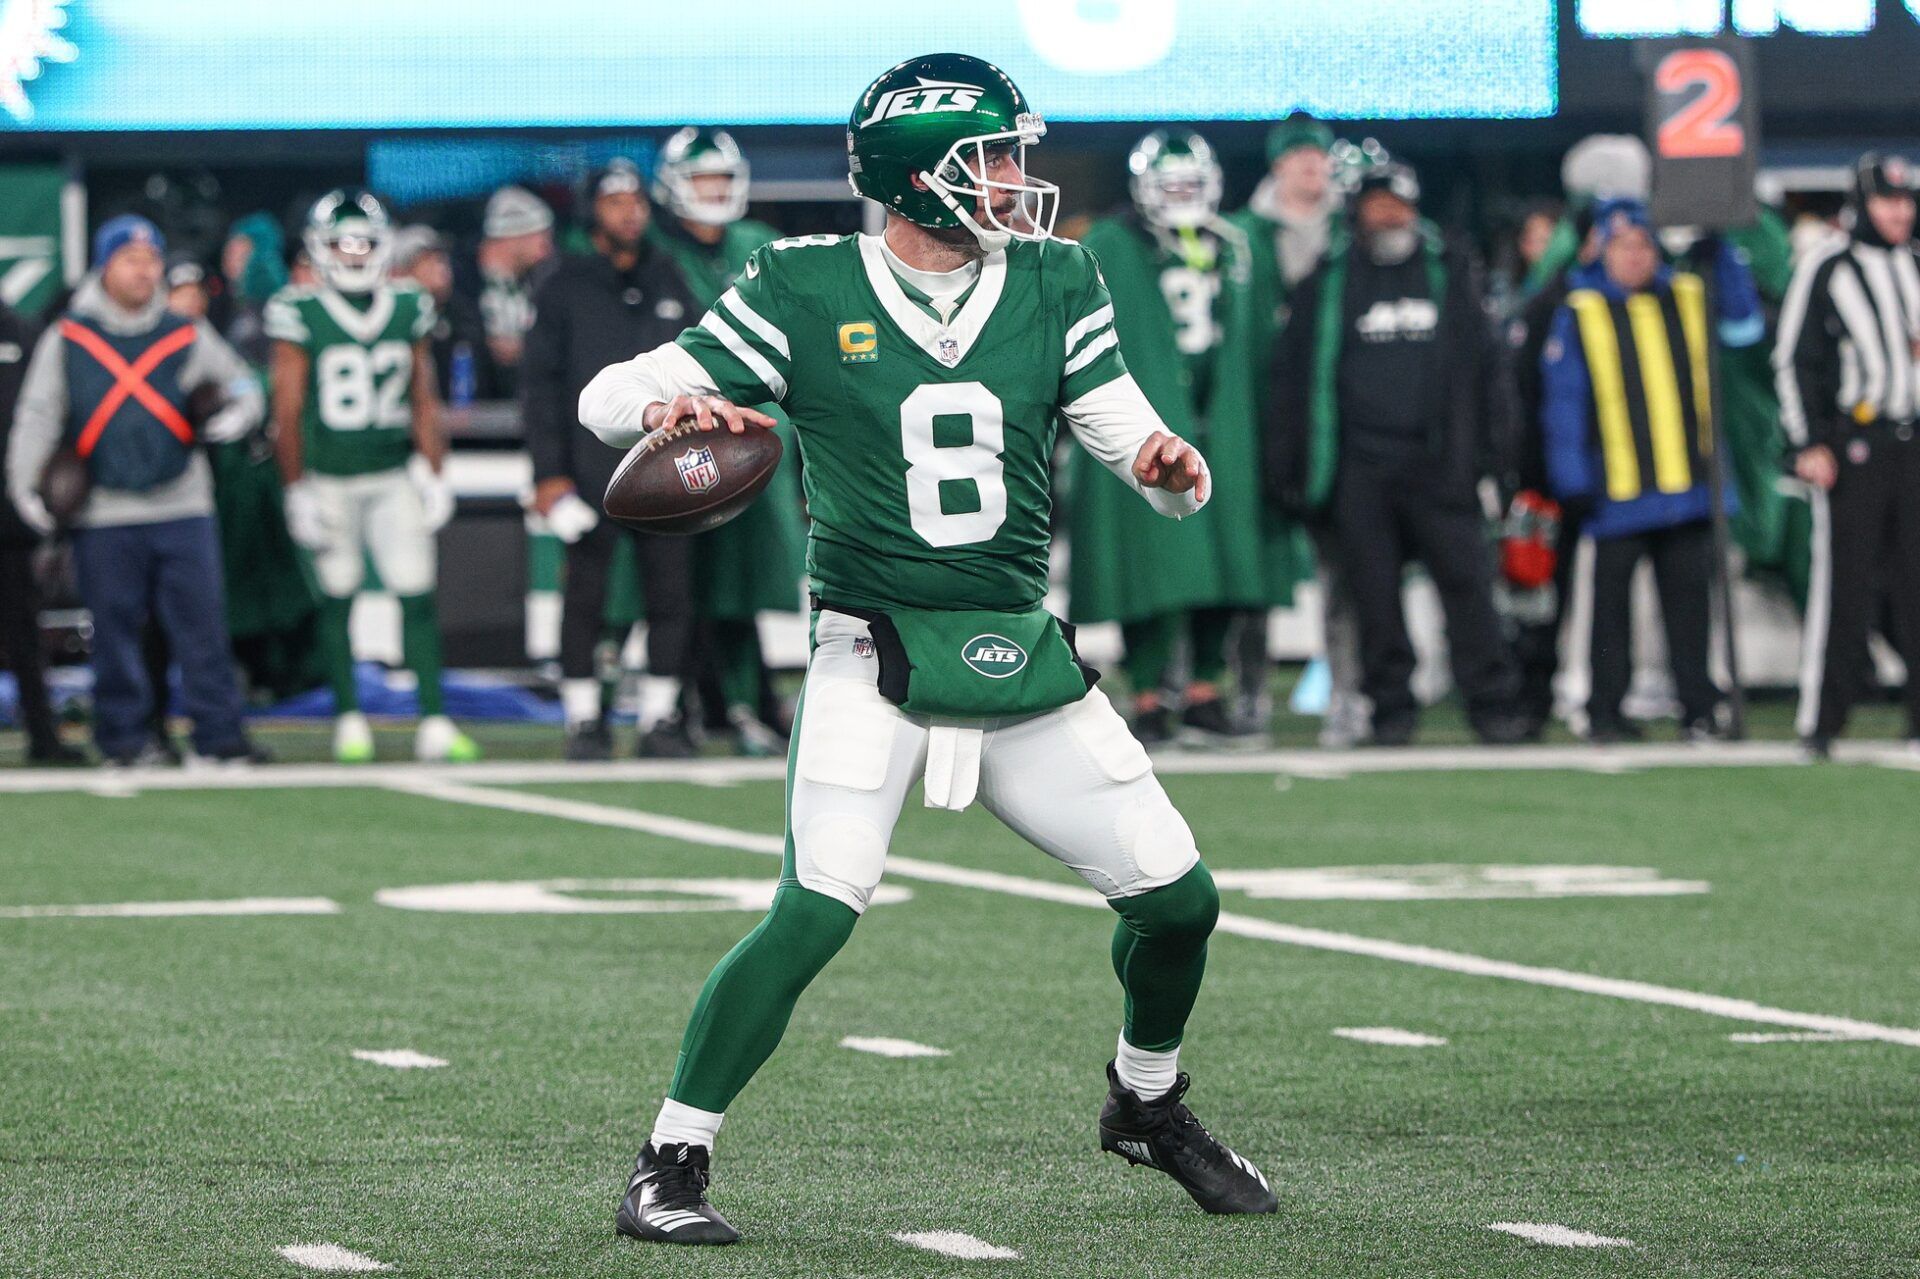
x=1073, y=781
x=376, y=515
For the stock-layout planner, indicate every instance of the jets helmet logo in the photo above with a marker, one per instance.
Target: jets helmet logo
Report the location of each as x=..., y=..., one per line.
x=928, y=95
x=698, y=471
x=994, y=656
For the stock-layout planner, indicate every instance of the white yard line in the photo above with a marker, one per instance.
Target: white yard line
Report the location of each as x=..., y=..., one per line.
x=1558, y=1236
x=400, y=1058
x=881, y=1046
x=332, y=1257
x=954, y=1243
x=174, y=910
x=1389, y=1036
x=1236, y=924
x=1792, y=1037
x=724, y=772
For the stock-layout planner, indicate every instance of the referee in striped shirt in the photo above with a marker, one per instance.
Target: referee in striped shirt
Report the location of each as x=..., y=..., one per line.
x=1847, y=363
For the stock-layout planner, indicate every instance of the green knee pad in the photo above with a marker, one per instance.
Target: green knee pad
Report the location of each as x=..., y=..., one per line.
x=1160, y=956
x=750, y=995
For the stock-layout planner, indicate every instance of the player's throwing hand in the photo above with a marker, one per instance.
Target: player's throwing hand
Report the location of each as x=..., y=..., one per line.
x=709, y=411
x=1168, y=462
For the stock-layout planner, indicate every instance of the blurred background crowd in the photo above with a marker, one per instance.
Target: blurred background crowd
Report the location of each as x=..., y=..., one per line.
x=1478, y=435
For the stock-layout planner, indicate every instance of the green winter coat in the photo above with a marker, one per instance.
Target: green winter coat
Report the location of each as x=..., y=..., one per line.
x=757, y=561
x=1129, y=563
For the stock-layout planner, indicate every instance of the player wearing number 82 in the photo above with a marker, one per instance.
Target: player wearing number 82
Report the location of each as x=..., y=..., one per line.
x=358, y=436
x=924, y=370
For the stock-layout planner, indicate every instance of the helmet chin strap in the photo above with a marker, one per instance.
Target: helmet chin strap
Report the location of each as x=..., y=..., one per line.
x=992, y=239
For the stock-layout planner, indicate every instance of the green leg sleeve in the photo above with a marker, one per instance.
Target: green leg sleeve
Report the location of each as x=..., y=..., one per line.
x=1209, y=627
x=420, y=636
x=1149, y=647
x=749, y=998
x=336, y=652
x=738, y=643
x=1160, y=954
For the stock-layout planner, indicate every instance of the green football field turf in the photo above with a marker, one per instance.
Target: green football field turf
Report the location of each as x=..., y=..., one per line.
x=179, y=1096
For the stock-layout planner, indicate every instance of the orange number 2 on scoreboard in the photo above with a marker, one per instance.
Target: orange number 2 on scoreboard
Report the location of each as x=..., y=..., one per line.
x=1701, y=128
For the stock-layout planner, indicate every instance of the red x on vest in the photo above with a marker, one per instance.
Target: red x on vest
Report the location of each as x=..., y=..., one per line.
x=129, y=379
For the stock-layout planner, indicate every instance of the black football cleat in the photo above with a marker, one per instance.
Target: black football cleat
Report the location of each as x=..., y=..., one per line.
x=666, y=1201
x=1163, y=1134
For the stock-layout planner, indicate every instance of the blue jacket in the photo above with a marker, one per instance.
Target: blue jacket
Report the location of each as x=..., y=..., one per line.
x=1574, y=465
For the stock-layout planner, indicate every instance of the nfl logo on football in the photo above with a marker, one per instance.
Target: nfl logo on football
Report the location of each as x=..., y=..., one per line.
x=698, y=471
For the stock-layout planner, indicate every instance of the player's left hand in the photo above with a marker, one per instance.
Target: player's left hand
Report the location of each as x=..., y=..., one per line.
x=1168, y=462
x=436, y=495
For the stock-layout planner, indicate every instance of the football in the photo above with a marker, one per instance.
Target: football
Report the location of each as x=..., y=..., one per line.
x=683, y=480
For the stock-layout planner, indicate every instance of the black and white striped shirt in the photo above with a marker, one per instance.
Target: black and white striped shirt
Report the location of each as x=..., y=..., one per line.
x=1846, y=346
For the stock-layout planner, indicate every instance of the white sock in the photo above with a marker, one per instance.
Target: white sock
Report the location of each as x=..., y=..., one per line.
x=580, y=701
x=659, y=695
x=686, y=1124
x=1149, y=1075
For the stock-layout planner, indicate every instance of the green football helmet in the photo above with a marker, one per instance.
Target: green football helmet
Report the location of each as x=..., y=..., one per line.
x=697, y=152
x=350, y=240
x=1174, y=179
x=936, y=119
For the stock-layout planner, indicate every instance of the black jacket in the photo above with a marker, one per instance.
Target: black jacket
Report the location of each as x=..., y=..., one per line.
x=16, y=347
x=1469, y=399
x=588, y=316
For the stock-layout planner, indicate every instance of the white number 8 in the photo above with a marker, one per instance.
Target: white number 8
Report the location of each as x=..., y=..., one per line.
x=977, y=460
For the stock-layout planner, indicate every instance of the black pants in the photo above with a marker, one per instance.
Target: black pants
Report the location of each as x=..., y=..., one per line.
x=1384, y=517
x=1866, y=540
x=20, y=636
x=666, y=587
x=1683, y=571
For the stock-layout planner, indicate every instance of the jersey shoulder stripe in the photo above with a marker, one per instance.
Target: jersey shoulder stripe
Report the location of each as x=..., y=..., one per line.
x=755, y=363
x=754, y=321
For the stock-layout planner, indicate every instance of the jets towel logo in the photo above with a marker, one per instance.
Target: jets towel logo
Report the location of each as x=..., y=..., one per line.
x=928, y=95
x=698, y=471
x=994, y=656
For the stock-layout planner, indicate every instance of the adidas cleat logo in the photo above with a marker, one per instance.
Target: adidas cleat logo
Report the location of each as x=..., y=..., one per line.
x=1137, y=1151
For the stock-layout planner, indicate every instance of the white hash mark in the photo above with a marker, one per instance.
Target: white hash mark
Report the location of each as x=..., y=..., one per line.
x=1391, y=1036
x=399, y=1058
x=1556, y=1236
x=330, y=1256
x=954, y=1243
x=881, y=1046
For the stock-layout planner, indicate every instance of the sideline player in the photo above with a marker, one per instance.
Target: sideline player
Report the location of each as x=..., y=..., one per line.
x=923, y=370
x=357, y=429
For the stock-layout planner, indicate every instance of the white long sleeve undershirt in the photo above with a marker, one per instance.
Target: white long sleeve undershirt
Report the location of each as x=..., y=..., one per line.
x=1111, y=421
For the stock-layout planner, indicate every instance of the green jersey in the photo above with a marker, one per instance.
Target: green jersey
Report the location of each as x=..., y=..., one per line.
x=358, y=413
x=926, y=443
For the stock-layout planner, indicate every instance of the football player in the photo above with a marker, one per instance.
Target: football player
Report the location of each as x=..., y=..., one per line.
x=924, y=370
x=357, y=430
x=755, y=562
x=1178, y=274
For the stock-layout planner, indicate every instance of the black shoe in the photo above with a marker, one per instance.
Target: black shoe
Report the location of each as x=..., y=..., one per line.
x=666, y=1201
x=1163, y=1134
x=1614, y=732
x=669, y=739
x=148, y=756
x=1395, y=730
x=56, y=754
x=1153, y=728
x=589, y=743
x=1818, y=750
x=1502, y=729
x=1210, y=723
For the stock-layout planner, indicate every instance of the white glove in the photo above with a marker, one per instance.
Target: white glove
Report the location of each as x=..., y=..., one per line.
x=229, y=424
x=436, y=495
x=308, y=521
x=34, y=513
x=571, y=518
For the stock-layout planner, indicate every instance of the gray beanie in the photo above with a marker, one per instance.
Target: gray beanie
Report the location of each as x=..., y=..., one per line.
x=515, y=211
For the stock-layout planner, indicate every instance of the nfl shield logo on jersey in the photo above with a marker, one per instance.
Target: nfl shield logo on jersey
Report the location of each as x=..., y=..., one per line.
x=697, y=470
x=949, y=352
